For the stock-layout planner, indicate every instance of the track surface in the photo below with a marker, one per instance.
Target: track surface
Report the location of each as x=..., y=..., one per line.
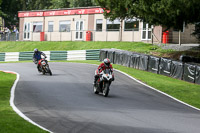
x=65, y=103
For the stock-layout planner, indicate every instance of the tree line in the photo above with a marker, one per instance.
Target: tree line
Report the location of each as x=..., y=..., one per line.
x=9, y=8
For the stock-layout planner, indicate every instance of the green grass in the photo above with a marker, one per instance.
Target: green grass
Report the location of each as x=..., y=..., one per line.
x=10, y=122
x=64, y=46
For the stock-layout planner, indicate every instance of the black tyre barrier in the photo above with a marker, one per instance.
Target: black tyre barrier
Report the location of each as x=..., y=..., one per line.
x=153, y=64
x=143, y=63
x=189, y=72
x=126, y=57
x=118, y=57
x=165, y=66
x=103, y=54
x=177, y=69
x=197, y=77
x=135, y=60
x=110, y=55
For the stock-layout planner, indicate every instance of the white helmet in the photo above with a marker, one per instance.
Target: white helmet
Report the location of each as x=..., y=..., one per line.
x=106, y=62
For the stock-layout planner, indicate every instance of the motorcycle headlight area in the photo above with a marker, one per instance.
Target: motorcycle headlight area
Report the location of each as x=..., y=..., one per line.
x=43, y=63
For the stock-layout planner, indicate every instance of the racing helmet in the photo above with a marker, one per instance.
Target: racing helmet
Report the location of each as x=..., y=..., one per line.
x=106, y=62
x=35, y=50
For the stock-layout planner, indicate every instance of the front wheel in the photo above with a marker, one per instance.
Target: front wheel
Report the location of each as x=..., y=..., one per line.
x=106, y=89
x=95, y=89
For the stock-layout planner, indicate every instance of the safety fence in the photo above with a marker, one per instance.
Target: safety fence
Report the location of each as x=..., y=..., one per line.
x=52, y=55
x=176, y=69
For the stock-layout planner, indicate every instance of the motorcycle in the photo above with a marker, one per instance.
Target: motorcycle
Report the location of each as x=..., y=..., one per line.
x=103, y=83
x=44, y=66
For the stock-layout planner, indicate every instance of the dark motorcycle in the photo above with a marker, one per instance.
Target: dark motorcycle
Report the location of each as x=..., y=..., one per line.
x=103, y=83
x=44, y=66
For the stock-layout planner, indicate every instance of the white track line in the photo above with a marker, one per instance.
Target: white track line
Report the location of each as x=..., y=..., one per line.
x=15, y=108
x=157, y=90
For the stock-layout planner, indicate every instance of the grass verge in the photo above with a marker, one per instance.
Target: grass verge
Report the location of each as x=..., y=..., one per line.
x=10, y=122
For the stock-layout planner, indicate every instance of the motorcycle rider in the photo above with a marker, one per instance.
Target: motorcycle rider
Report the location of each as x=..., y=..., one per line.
x=37, y=57
x=105, y=65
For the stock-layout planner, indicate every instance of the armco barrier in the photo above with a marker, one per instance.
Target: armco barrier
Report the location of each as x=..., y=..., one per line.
x=167, y=67
x=52, y=55
x=58, y=55
x=92, y=54
x=2, y=56
x=25, y=56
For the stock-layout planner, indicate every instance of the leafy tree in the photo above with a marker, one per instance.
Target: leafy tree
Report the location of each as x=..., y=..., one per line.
x=196, y=32
x=55, y=4
x=82, y=3
x=169, y=13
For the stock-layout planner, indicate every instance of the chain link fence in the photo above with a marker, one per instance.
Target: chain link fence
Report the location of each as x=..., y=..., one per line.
x=136, y=35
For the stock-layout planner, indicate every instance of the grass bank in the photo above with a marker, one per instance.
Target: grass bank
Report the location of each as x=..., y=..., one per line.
x=60, y=46
x=10, y=122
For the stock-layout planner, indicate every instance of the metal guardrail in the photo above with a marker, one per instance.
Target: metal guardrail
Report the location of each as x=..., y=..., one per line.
x=52, y=55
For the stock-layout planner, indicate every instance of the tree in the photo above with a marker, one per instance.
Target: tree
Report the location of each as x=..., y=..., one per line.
x=196, y=32
x=55, y=4
x=82, y=3
x=169, y=13
x=115, y=9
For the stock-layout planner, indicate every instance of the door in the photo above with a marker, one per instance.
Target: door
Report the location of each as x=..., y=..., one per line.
x=27, y=31
x=79, y=30
x=146, y=31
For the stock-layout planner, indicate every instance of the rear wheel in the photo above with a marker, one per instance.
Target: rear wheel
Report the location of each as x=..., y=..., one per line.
x=106, y=89
x=50, y=72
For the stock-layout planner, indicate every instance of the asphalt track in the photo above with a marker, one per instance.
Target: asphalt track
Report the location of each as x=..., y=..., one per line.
x=65, y=103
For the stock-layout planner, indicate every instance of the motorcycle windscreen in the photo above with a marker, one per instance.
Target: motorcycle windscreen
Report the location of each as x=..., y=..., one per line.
x=107, y=71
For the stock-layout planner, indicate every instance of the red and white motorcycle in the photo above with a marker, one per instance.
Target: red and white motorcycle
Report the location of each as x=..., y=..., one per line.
x=103, y=83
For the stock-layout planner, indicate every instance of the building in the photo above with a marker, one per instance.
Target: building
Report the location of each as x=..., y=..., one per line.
x=89, y=24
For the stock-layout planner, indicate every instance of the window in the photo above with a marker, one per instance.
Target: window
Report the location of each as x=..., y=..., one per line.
x=146, y=31
x=50, y=26
x=113, y=25
x=99, y=24
x=37, y=26
x=64, y=26
x=131, y=25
